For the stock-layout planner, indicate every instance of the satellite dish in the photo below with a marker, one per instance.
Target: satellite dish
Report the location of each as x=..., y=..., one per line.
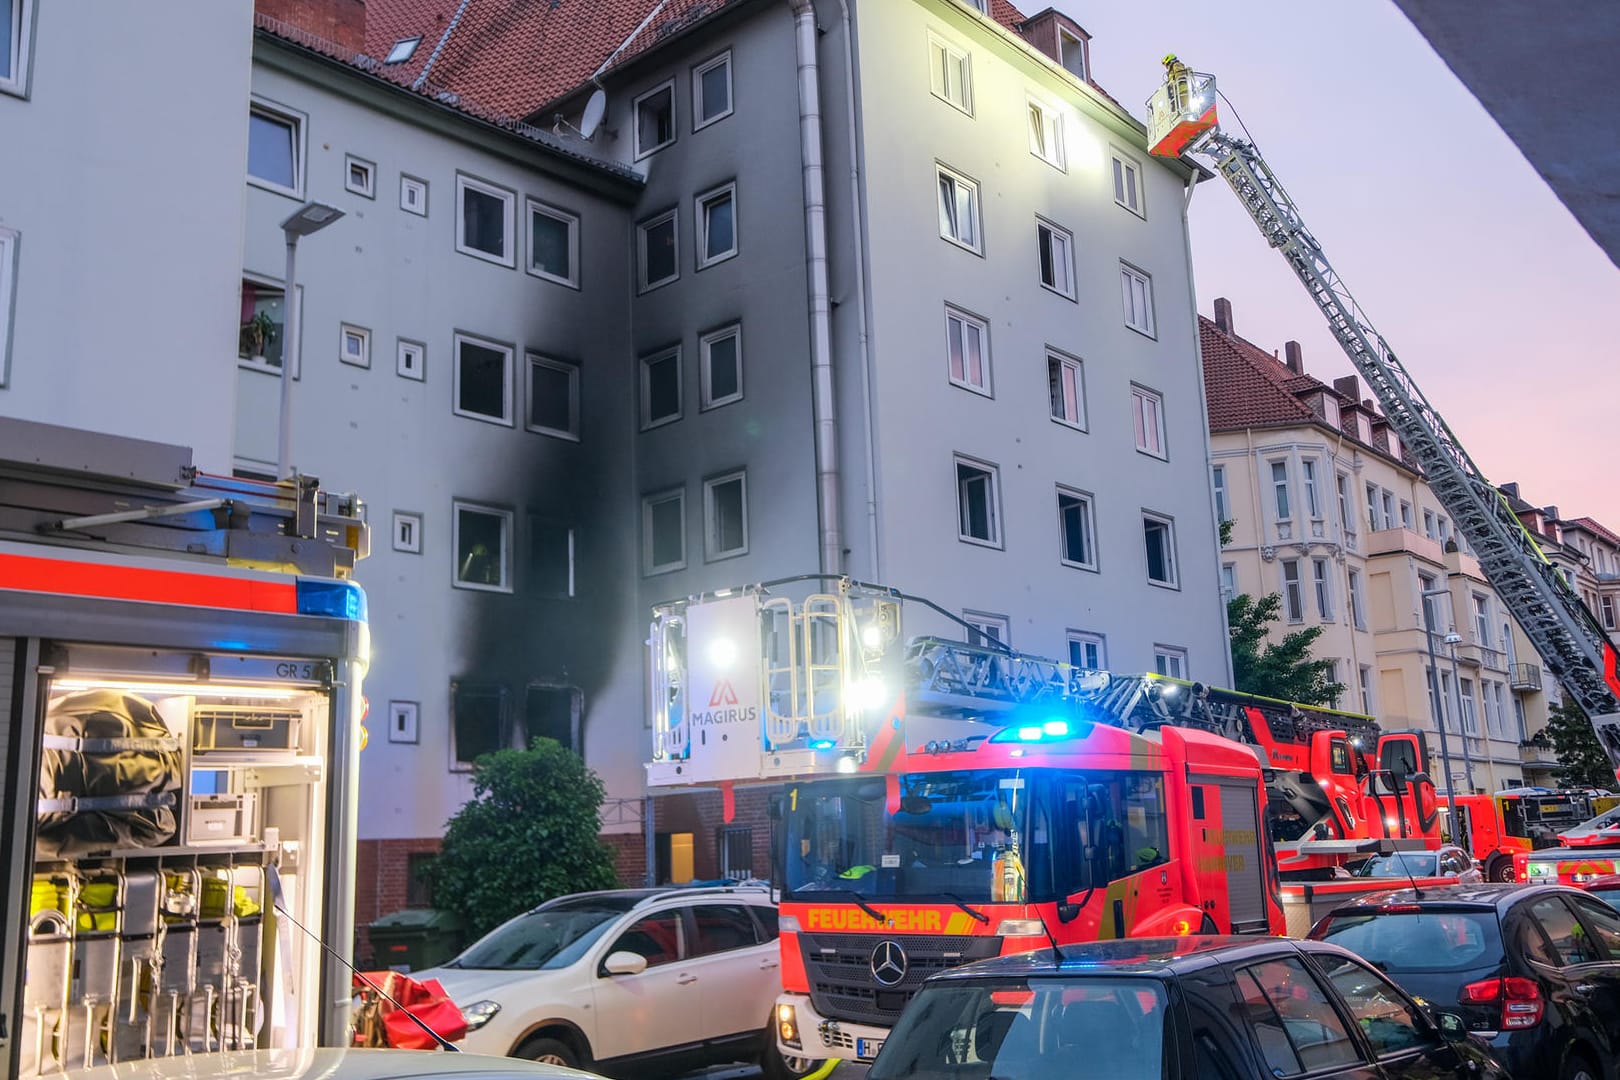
x=595, y=109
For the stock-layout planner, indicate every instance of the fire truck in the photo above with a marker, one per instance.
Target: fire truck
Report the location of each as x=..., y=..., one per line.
x=181, y=659
x=1183, y=122
x=1496, y=828
x=1565, y=866
x=941, y=802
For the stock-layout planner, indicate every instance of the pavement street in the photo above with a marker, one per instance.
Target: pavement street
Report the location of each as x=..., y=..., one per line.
x=849, y=1070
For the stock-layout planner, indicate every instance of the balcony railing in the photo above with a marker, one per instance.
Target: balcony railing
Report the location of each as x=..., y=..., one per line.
x=1534, y=753
x=1525, y=677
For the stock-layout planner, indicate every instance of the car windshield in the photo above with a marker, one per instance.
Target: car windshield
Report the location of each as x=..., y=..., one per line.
x=1401, y=864
x=1609, y=896
x=1024, y=1029
x=1608, y=819
x=1413, y=941
x=539, y=940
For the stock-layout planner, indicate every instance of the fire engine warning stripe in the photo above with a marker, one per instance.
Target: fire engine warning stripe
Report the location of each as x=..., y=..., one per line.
x=27, y=573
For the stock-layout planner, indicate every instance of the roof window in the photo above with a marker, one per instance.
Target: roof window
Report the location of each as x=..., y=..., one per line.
x=403, y=50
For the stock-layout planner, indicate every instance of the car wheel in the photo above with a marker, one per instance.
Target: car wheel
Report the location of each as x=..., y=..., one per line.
x=1499, y=870
x=776, y=1066
x=1577, y=1067
x=549, y=1052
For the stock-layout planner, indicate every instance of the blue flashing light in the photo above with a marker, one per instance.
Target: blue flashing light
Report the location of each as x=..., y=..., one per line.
x=1053, y=730
x=333, y=599
x=822, y=744
x=1029, y=734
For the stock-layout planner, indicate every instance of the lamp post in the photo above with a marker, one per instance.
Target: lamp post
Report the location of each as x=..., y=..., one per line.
x=1439, y=709
x=1456, y=691
x=309, y=218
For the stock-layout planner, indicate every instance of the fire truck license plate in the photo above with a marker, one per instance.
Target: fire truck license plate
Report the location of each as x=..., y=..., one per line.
x=867, y=1048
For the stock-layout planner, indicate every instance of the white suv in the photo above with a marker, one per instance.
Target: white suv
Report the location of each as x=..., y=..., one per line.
x=622, y=980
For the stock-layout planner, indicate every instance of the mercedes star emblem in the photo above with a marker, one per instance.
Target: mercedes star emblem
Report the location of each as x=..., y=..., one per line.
x=888, y=963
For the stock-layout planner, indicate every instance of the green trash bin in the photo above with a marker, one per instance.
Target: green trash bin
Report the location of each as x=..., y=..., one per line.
x=415, y=938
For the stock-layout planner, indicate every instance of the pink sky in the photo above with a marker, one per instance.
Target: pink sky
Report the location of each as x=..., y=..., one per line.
x=1496, y=300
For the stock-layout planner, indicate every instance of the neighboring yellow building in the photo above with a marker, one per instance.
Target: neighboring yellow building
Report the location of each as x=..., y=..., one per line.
x=1328, y=512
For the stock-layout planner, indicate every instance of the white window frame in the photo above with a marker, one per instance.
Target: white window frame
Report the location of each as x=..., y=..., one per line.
x=1125, y=173
x=1322, y=581
x=1048, y=146
x=537, y=525
x=402, y=50
x=1347, y=520
x=1051, y=235
x=711, y=552
x=700, y=70
x=408, y=184
x=539, y=360
x=404, y=366
x=1429, y=526
x=1293, y=582
x=1063, y=362
x=1087, y=639
x=1064, y=40
x=1229, y=586
x=1281, y=501
x=700, y=219
x=1372, y=508
x=706, y=398
x=361, y=336
x=648, y=501
x=1130, y=276
x=1217, y=484
x=1313, y=501
x=1408, y=522
x=366, y=187
x=507, y=538
x=642, y=229
x=533, y=208
x=982, y=622
x=10, y=242
x=993, y=500
x=1147, y=403
x=635, y=118
x=22, y=33
x=1168, y=657
x=644, y=364
x=406, y=534
x=297, y=352
x=1364, y=676
x=465, y=183
x=949, y=217
x=1388, y=502
x=969, y=321
x=300, y=125
x=1088, y=513
x=505, y=420
x=1470, y=715
x=961, y=62
x=1358, y=604
x=1172, y=562
x=1606, y=602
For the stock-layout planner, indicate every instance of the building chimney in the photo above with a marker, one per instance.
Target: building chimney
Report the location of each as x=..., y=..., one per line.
x=1510, y=489
x=1349, y=386
x=1370, y=405
x=1223, y=315
x=341, y=22
x=1296, y=359
x=1551, y=512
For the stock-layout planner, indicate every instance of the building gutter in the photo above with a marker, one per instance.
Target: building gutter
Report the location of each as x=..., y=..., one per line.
x=824, y=403
x=858, y=238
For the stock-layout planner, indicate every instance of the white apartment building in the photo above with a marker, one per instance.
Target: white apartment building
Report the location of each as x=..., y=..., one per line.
x=576, y=376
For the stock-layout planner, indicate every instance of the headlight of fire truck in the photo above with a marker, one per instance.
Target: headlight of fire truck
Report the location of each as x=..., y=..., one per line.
x=787, y=1025
x=479, y=1013
x=787, y=924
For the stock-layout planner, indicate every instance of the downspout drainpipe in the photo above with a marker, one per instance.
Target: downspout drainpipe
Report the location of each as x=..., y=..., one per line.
x=857, y=219
x=815, y=236
x=1203, y=395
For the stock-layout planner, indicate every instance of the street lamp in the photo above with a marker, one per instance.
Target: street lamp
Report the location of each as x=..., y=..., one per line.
x=1439, y=709
x=309, y=218
x=1456, y=696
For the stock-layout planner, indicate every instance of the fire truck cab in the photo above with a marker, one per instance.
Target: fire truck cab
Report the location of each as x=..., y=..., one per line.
x=1495, y=828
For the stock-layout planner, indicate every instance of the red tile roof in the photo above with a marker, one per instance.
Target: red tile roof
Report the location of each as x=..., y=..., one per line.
x=1004, y=13
x=1244, y=385
x=1593, y=526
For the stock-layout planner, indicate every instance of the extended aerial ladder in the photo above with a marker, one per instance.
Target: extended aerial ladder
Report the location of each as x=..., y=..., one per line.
x=1182, y=122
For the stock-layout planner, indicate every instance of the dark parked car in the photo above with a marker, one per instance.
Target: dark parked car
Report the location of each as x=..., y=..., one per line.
x=1193, y=1008
x=1535, y=969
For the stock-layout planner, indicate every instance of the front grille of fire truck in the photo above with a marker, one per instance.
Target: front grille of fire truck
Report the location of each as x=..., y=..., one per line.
x=840, y=973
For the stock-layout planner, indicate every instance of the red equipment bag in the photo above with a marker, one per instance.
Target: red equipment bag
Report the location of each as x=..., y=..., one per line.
x=379, y=1023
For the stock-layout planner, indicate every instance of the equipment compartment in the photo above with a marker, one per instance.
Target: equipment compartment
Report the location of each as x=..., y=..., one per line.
x=252, y=728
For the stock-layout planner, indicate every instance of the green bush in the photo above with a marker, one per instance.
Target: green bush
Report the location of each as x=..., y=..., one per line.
x=529, y=833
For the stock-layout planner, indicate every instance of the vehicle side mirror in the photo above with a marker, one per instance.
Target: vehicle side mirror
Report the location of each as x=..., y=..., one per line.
x=1452, y=1027
x=624, y=962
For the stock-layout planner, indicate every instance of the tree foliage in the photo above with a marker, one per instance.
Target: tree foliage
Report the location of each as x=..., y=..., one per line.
x=529, y=833
x=1579, y=752
x=1280, y=669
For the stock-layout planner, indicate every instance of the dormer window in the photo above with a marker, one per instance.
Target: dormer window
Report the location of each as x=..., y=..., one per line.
x=1330, y=409
x=403, y=50
x=1072, y=54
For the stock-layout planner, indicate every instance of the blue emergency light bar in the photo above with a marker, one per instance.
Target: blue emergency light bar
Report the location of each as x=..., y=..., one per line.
x=333, y=599
x=1054, y=730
